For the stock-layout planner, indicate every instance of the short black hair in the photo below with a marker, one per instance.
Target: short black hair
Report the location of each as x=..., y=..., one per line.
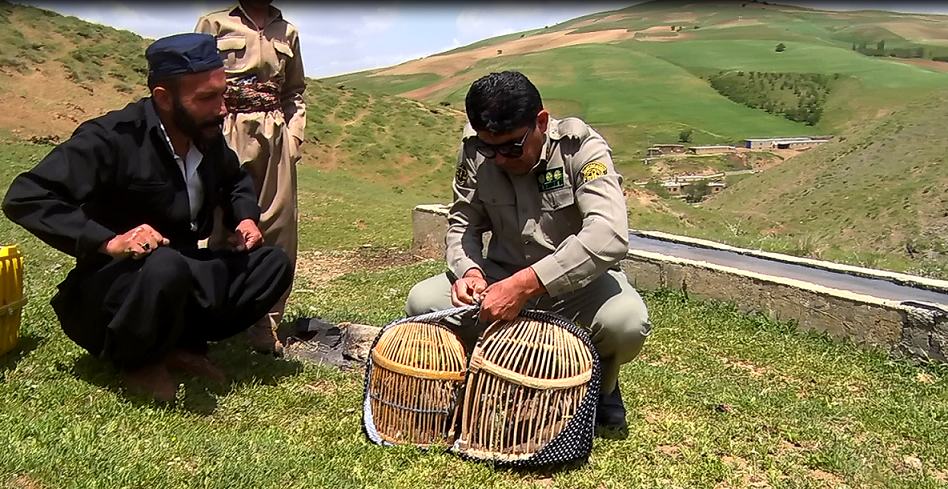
x=502, y=102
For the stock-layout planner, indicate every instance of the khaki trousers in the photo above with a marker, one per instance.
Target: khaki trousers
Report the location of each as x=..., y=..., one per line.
x=609, y=308
x=268, y=152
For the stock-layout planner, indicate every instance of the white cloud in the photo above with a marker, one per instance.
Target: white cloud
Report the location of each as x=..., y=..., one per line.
x=379, y=21
x=480, y=23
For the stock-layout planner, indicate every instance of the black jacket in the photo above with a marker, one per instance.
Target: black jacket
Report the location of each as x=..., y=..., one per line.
x=117, y=172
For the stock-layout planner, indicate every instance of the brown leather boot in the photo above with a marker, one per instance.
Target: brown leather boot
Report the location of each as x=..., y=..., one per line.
x=152, y=380
x=263, y=339
x=181, y=360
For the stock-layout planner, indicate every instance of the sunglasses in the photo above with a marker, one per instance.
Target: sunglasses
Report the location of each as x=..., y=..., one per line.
x=509, y=149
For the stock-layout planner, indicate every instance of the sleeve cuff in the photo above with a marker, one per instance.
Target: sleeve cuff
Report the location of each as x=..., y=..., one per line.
x=91, y=238
x=552, y=275
x=461, y=266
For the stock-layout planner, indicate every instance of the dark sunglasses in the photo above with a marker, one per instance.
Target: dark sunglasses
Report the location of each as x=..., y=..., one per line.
x=509, y=149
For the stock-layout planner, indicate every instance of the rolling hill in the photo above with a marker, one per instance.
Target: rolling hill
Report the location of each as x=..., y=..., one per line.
x=640, y=73
x=380, y=142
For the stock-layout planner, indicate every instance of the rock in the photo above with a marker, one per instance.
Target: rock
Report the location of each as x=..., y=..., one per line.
x=357, y=340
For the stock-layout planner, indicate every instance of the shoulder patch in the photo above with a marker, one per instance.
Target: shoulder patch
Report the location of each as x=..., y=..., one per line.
x=593, y=170
x=460, y=175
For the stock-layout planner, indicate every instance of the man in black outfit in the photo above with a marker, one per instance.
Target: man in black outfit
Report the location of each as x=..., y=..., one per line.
x=129, y=195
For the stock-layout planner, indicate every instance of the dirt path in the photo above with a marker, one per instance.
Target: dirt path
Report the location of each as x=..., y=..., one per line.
x=449, y=64
x=320, y=267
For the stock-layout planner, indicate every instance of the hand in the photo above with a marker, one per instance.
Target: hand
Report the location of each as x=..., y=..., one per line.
x=246, y=236
x=467, y=290
x=505, y=299
x=137, y=243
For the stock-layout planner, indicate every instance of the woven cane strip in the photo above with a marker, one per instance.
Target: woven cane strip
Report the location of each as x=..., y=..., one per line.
x=527, y=380
x=414, y=374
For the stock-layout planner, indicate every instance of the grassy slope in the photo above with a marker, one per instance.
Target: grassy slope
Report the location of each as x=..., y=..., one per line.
x=374, y=152
x=882, y=188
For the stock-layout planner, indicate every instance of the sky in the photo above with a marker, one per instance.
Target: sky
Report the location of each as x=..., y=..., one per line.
x=339, y=38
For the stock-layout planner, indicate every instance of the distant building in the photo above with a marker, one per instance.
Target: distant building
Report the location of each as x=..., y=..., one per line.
x=674, y=187
x=710, y=150
x=677, y=186
x=665, y=149
x=786, y=143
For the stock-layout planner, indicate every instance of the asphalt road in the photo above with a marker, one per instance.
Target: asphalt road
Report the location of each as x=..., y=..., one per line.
x=875, y=287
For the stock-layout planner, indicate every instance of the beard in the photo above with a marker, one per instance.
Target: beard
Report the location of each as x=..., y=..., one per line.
x=199, y=131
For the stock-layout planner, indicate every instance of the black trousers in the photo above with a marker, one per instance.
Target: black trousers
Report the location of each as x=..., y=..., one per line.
x=132, y=312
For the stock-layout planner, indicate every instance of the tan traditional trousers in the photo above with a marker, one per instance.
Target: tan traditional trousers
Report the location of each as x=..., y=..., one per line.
x=264, y=126
x=567, y=219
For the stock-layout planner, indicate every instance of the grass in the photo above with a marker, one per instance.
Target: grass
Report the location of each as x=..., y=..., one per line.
x=89, y=52
x=718, y=397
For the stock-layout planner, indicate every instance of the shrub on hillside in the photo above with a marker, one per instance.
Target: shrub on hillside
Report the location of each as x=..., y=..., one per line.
x=685, y=135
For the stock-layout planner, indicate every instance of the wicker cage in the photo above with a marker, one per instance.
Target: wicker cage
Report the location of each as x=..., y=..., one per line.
x=531, y=393
x=414, y=373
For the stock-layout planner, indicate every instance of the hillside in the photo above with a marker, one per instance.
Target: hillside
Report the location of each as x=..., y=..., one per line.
x=642, y=74
x=882, y=188
x=368, y=158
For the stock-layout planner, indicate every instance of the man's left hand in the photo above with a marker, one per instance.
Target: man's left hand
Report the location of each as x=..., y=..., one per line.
x=505, y=299
x=246, y=236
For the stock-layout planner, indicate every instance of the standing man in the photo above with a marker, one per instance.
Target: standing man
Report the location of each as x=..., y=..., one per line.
x=129, y=195
x=264, y=125
x=552, y=199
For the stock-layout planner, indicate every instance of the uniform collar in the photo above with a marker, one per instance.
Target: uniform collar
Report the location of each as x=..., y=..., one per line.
x=549, y=138
x=273, y=14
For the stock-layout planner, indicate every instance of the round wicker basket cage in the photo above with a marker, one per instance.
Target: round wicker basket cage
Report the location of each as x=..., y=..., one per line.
x=416, y=371
x=527, y=381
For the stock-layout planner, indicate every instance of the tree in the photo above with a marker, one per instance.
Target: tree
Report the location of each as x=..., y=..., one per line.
x=697, y=191
x=685, y=136
x=781, y=48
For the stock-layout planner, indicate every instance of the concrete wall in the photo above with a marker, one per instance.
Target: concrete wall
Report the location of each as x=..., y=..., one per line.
x=912, y=330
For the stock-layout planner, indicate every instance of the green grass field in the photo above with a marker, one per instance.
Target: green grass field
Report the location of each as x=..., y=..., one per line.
x=718, y=398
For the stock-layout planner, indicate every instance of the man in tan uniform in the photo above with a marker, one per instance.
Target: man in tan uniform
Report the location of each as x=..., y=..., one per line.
x=548, y=192
x=264, y=125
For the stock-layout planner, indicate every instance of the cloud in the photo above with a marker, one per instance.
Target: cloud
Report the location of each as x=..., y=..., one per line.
x=379, y=21
x=479, y=23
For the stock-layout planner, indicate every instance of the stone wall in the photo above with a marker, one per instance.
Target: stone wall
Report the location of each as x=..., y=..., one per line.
x=904, y=329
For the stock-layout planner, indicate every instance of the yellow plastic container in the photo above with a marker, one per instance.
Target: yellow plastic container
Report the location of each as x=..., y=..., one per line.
x=11, y=297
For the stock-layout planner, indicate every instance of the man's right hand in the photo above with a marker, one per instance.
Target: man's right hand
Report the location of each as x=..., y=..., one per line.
x=137, y=243
x=467, y=289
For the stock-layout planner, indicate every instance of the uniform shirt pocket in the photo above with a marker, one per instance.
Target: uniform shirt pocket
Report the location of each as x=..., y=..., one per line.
x=502, y=210
x=555, y=200
x=233, y=50
x=559, y=215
